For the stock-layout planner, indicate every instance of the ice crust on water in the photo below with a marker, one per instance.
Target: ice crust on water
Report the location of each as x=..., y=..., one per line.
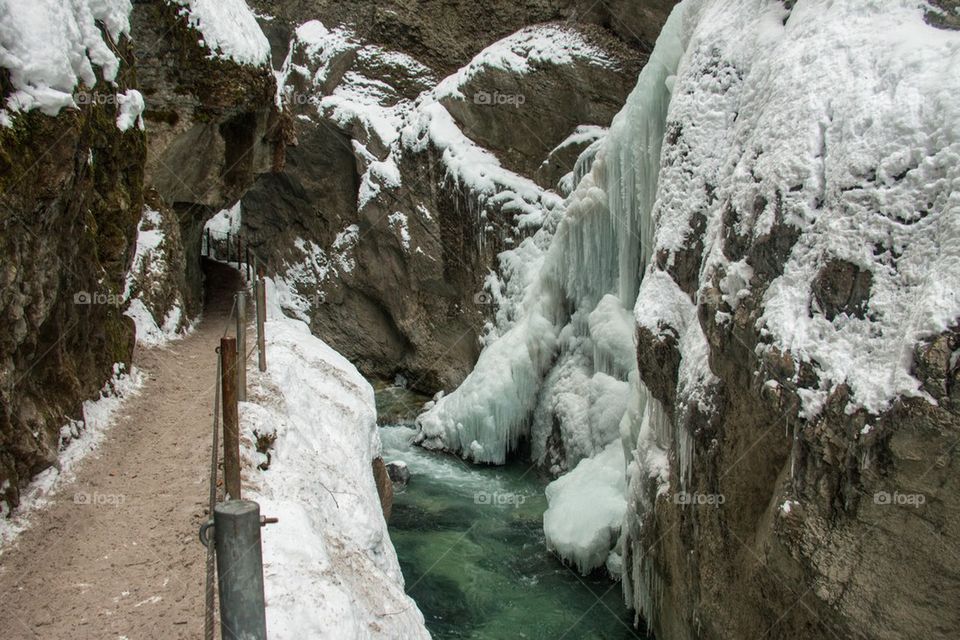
x=593, y=493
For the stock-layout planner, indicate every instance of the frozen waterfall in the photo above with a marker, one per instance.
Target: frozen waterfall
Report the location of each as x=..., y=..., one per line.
x=566, y=367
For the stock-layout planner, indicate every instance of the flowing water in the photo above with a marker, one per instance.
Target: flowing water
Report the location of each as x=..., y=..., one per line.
x=470, y=543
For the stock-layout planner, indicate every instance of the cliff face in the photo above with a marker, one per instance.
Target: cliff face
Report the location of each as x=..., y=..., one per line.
x=212, y=120
x=72, y=193
x=75, y=167
x=805, y=220
x=387, y=246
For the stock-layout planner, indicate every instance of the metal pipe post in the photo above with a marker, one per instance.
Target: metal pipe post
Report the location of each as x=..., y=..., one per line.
x=236, y=527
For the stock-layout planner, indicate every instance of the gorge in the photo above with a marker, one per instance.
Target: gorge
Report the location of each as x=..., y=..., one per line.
x=664, y=295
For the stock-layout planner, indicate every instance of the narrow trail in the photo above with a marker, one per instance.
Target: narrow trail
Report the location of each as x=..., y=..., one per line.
x=128, y=563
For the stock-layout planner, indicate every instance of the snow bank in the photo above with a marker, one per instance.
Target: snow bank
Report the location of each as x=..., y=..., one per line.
x=48, y=46
x=525, y=51
x=149, y=271
x=78, y=438
x=586, y=509
x=229, y=30
x=330, y=568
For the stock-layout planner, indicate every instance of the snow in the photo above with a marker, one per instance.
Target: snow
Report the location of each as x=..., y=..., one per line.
x=49, y=46
x=299, y=285
x=78, y=438
x=130, y=111
x=586, y=509
x=398, y=222
x=148, y=270
x=330, y=568
x=854, y=147
x=473, y=168
x=225, y=221
x=525, y=51
x=372, y=110
x=229, y=29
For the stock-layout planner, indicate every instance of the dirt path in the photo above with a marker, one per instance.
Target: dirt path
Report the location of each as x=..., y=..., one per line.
x=128, y=563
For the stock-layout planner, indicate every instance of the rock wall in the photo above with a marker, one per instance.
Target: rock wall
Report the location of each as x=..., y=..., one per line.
x=812, y=484
x=72, y=195
x=407, y=291
x=213, y=124
x=73, y=186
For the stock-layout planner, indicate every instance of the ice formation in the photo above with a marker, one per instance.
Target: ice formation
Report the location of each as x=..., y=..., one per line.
x=586, y=509
x=563, y=365
x=573, y=311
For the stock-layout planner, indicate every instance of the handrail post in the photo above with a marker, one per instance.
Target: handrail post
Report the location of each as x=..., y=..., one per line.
x=231, y=422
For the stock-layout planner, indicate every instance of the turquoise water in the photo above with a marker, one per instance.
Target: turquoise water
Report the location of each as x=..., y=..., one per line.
x=470, y=544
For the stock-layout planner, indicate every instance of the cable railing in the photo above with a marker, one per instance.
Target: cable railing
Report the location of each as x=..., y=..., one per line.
x=232, y=534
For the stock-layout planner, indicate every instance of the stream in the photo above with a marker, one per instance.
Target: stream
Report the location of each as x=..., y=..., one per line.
x=470, y=543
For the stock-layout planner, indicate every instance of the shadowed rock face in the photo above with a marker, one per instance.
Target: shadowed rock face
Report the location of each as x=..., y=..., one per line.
x=213, y=126
x=72, y=194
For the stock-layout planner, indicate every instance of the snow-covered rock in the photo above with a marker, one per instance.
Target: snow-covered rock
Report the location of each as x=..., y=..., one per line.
x=48, y=47
x=229, y=29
